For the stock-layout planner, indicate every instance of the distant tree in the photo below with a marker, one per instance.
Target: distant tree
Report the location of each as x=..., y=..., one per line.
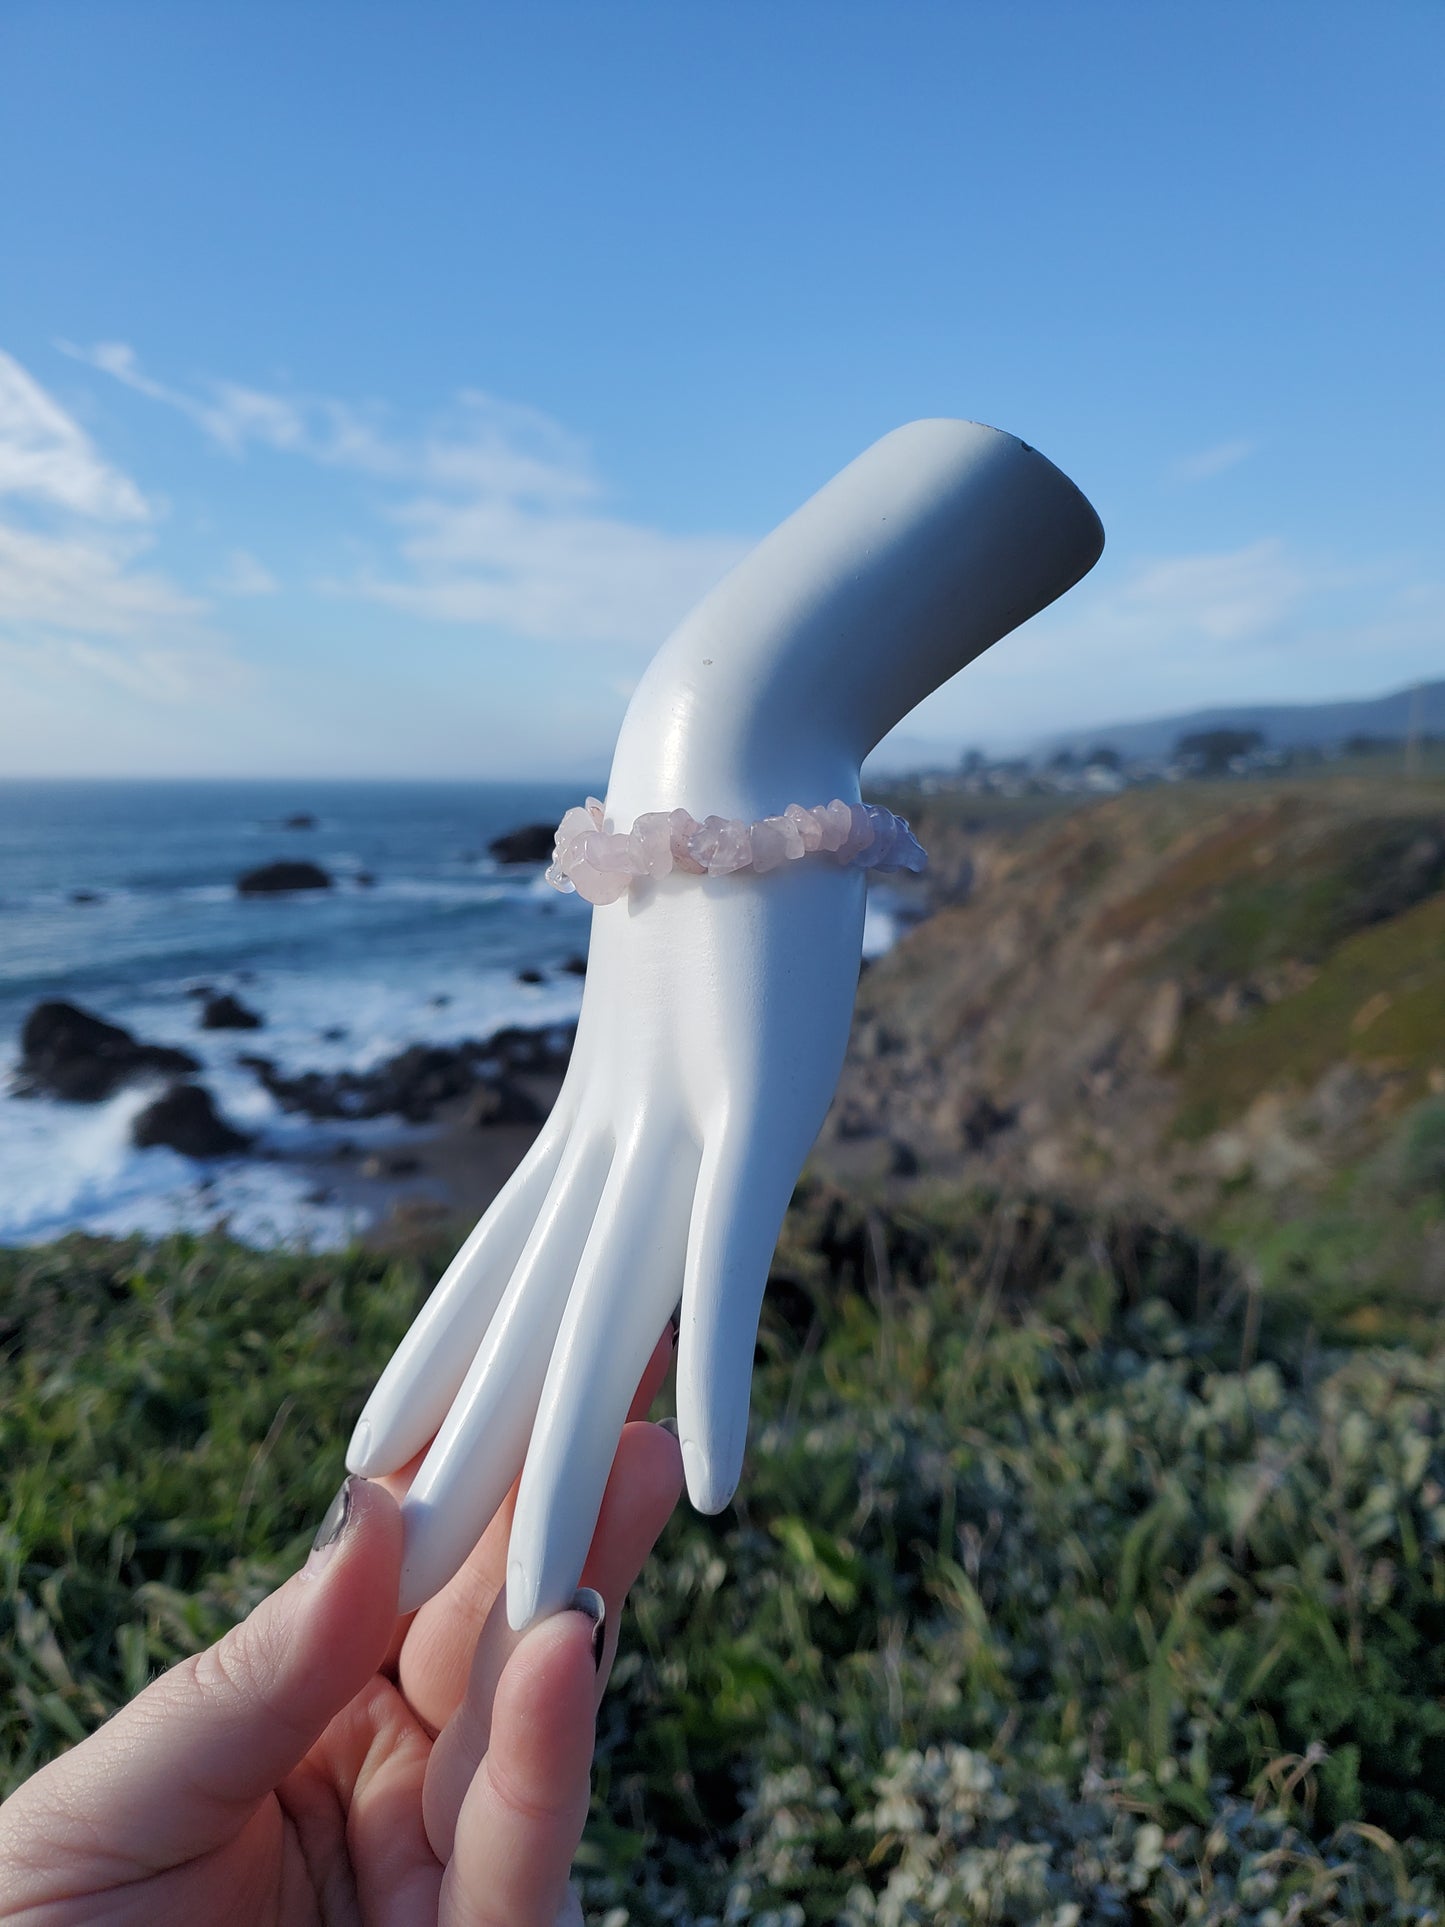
x=1211, y=751
x=1102, y=757
x=1370, y=745
x=973, y=759
x=1062, y=759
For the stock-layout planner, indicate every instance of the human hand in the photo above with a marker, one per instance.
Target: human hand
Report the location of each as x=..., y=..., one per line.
x=716, y=1011
x=328, y=1762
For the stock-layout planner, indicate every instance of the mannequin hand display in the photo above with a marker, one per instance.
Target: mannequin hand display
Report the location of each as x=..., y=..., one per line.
x=716, y=1011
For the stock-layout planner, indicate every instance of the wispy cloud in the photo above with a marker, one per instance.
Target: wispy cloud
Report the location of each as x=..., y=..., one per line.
x=1212, y=461
x=1220, y=598
x=493, y=514
x=490, y=559
x=229, y=414
x=47, y=458
x=85, y=582
x=243, y=575
x=77, y=594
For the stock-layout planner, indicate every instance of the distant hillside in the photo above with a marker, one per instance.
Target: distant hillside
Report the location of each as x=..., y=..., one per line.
x=1223, y=1001
x=1283, y=725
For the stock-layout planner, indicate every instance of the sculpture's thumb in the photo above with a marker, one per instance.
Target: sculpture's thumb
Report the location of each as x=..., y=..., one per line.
x=179, y=1770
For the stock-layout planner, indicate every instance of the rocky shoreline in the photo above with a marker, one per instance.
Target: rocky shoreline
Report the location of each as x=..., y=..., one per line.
x=478, y=1103
x=464, y=1112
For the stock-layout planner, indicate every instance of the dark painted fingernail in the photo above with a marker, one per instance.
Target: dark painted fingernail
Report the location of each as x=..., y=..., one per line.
x=668, y=1425
x=333, y=1525
x=589, y=1601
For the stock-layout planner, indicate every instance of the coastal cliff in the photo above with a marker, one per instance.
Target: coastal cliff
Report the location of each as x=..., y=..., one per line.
x=1220, y=1003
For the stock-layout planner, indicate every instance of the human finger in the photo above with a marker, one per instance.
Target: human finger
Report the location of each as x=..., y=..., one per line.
x=181, y=1769
x=644, y=1487
x=522, y=1815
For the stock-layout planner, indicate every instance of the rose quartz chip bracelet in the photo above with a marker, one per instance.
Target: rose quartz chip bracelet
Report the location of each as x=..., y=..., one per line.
x=600, y=863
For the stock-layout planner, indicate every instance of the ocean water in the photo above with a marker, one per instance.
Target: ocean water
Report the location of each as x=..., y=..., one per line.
x=429, y=953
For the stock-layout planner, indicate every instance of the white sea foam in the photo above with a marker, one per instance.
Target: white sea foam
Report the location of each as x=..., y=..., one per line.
x=73, y=1167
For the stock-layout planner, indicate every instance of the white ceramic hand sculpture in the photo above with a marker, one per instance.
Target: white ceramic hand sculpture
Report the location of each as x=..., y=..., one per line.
x=716, y=1011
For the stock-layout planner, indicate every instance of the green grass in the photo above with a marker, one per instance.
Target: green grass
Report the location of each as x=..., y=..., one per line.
x=1378, y=1000
x=1068, y=1582
x=171, y=1429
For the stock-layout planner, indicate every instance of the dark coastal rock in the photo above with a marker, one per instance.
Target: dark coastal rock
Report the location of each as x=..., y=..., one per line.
x=281, y=879
x=228, y=1013
x=70, y=1053
x=411, y=1085
x=531, y=844
x=531, y=975
x=515, y=1049
x=299, y=820
x=502, y=1101
x=186, y=1120
x=903, y=1160
x=983, y=1120
x=365, y=880
x=314, y=1093
x=418, y=1081
x=574, y=967
x=86, y=896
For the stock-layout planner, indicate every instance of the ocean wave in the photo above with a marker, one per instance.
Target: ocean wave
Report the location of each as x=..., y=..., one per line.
x=73, y=1167
x=483, y=883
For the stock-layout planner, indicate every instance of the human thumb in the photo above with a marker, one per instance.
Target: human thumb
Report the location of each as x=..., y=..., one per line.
x=180, y=1769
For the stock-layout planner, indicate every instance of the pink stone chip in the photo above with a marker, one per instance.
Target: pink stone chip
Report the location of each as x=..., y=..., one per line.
x=860, y=838
x=607, y=850
x=684, y=829
x=722, y=845
x=808, y=826
x=885, y=827
x=599, y=886
x=835, y=822
x=651, y=842
x=577, y=822
x=770, y=850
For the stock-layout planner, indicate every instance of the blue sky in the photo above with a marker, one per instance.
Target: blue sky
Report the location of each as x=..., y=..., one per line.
x=380, y=383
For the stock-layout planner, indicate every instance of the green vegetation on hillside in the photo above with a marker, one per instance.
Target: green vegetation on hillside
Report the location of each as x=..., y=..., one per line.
x=1378, y=999
x=1222, y=1003
x=1066, y=1584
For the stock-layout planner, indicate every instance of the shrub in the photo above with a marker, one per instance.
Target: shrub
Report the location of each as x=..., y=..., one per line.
x=1044, y=1598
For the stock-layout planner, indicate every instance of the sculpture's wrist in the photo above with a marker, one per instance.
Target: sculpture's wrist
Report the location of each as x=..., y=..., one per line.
x=711, y=750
